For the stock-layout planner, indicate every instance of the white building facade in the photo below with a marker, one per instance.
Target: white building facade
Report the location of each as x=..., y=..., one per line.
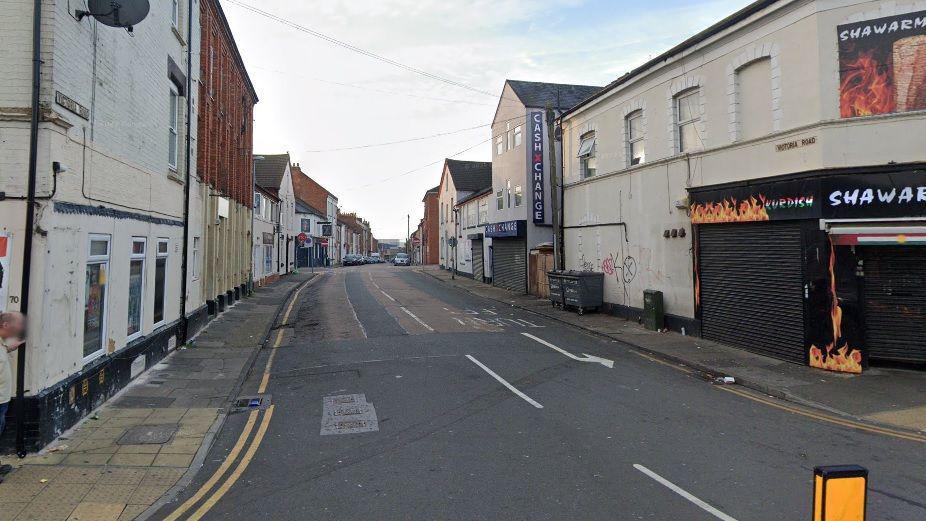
x=521, y=213
x=108, y=236
x=762, y=176
x=266, y=237
x=459, y=180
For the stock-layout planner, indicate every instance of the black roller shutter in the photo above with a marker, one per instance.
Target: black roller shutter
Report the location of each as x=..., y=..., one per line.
x=752, y=287
x=509, y=264
x=478, y=269
x=895, y=302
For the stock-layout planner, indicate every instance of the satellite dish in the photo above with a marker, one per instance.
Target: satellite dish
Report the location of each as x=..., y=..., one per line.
x=117, y=13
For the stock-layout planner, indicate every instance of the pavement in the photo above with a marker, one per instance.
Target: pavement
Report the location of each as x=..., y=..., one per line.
x=149, y=440
x=880, y=396
x=385, y=393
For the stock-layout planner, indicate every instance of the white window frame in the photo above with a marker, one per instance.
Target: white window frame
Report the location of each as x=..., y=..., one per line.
x=162, y=255
x=483, y=211
x=509, y=137
x=175, y=13
x=499, y=145
x=105, y=261
x=144, y=264
x=518, y=196
x=518, y=136
x=587, y=144
x=634, y=139
x=173, y=124
x=196, y=257
x=508, y=191
x=500, y=200
x=693, y=121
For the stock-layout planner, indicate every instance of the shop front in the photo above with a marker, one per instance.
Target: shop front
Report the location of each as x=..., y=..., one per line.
x=826, y=269
x=509, y=254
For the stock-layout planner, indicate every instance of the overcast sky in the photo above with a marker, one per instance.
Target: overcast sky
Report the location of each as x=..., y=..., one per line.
x=316, y=96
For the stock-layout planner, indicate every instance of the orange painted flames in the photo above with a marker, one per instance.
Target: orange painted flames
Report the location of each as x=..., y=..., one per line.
x=866, y=88
x=730, y=211
x=832, y=358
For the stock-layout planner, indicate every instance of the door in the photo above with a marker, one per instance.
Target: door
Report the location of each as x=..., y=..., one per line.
x=895, y=302
x=751, y=287
x=541, y=261
x=509, y=264
x=478, y=265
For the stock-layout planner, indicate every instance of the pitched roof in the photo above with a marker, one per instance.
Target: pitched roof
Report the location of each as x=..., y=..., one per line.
x=470, y=176
x=268, y=172
x=304, y=207
x=474, y=195
x=557, y=95
x=435, y=190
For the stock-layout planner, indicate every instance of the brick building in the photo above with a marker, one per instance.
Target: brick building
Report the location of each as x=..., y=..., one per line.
x=225, y=155
x=308, y=190
x=430, y=227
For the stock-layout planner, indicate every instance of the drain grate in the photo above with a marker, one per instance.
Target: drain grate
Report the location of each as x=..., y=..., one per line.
x=249, y=403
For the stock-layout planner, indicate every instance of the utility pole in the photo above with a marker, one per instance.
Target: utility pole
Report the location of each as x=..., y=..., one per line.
x=555, y=193
x=408, y=230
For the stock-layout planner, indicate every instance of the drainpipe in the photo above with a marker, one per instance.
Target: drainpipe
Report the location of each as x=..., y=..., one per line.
x=184, y=259
x=30, y=222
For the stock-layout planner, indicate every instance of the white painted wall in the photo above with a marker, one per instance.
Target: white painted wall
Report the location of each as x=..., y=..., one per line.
x=796, y=45
x=117, y=158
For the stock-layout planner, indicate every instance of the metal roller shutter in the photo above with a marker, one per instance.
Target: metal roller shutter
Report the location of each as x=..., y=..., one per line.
x=509, y=264
x=478, y=270
x=895, y=302
x=752, y=287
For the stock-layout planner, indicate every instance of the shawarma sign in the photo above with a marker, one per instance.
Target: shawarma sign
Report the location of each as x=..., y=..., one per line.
x=882, y=65
x=851, y=196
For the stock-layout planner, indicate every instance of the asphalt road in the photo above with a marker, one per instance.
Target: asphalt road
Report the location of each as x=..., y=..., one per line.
x=469, y=411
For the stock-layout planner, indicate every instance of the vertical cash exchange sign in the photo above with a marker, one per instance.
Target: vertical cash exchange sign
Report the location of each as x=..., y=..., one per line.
x=535, y=160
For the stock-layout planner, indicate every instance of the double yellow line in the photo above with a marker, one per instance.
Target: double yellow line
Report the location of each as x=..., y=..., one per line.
x=232, y=457
x=844, y=422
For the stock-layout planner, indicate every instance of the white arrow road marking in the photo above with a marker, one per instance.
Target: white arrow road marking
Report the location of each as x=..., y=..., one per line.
x=501, y=380
x=588, y=358
x=409, y=313
x=680, y=491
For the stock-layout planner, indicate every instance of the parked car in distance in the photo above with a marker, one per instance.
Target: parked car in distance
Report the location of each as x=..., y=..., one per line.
x=352, y=259
x=376, y=258
x=401, y=259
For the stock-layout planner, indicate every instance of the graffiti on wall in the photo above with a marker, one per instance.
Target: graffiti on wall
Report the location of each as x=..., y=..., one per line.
x=882, y=65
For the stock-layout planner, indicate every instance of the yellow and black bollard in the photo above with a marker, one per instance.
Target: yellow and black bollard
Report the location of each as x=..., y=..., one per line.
x=840, y=493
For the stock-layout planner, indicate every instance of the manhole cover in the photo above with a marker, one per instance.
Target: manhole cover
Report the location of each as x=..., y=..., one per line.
x=348, y=414
x=148, y=434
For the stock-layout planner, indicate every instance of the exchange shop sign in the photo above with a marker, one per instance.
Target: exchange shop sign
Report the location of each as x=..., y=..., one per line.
x=535, y=160
x=858, y=196
x=506, y=229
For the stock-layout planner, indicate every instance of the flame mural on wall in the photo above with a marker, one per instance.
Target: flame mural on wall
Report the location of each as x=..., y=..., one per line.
x=832, y=356
x=730, y=211
x=866, y=87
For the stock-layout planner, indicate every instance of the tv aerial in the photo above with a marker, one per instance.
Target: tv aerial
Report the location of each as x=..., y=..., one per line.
x=116, y=13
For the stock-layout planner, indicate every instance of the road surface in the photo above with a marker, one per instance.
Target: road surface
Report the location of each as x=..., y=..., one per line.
x=391, y=395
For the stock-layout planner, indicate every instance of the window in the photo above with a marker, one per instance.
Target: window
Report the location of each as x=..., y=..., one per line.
x=517, y=196
x=687, y=117
x=175, y=12
x=196, y=258
x=588, y=163
x=212, y=68
x=268, y=258
x=509, y=138
x=160, y=280
x=508, y=191
x=499, y=200
x=172, y=130
x=518, y=137
x=499, y=145
x=754, y=99
x=95, y=295
x=306, y=226
x=136, y=286
x=635, y=149
x=484, y=211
